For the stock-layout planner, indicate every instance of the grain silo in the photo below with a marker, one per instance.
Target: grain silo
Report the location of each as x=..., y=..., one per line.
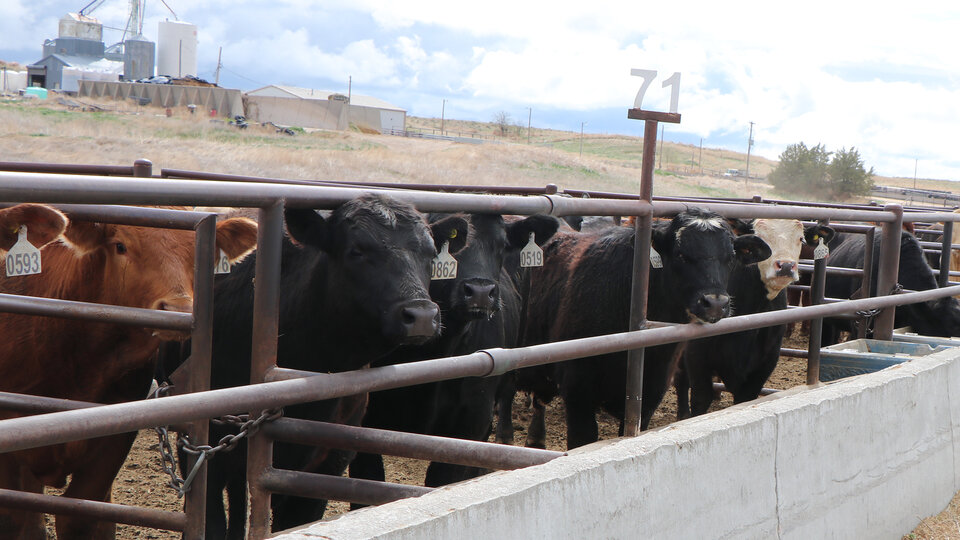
x=138, y=54
x=176, y=49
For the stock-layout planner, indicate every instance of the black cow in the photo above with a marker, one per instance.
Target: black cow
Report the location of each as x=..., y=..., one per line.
x=745, y=360
x=353, y=288
x=939, y=317
x=584, y=290
x=480, y=309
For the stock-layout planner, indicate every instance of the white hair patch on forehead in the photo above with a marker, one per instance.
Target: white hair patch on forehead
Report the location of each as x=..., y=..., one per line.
x=700, y=222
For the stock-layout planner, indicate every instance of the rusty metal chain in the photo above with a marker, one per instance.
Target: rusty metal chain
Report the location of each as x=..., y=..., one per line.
x=867, y=315
x=247, y=429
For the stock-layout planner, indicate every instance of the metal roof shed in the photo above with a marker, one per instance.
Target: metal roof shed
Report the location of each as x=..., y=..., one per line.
x=307, y=107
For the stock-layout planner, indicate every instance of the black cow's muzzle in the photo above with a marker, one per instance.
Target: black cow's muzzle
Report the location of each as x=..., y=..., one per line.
x=416, y=321
x=480, y=298
x=710, y=308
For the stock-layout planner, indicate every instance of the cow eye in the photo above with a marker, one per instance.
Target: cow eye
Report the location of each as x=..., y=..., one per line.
x=121, y=248
x=355, y=253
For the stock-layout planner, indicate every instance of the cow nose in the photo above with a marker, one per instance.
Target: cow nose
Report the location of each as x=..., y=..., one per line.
x=183, y=304
x=480, y=295
x=420, y=321
x=784, y=268
x=714, y=307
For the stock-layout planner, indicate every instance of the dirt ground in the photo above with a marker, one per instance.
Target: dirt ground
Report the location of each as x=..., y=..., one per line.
x=142, y=482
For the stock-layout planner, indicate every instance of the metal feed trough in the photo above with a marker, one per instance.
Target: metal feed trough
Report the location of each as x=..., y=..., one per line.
x=276, y=387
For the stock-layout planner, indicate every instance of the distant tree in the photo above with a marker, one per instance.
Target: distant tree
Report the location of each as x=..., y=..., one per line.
x=502, y=121
x=848, y=175
x=801, y=169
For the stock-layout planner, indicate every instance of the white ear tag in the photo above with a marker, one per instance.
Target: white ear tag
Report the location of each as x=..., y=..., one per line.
x=23, y=259
x=821, y=251
x=223, y=264
x=444, y=266
x=655, y=260
x=531, y=254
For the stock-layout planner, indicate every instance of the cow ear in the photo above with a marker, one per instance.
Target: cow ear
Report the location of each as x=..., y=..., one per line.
x=740, y=226
x=307, y=228
x=575, y=222
x=44, y=224
x=237, y=237
x=662, y=240
x=543, y=228
x=453, y=229
x=750, y=249
x=85, y=236
x=813, y=234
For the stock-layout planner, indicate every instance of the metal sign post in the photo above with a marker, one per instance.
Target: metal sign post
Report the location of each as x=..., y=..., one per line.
x=641, y=266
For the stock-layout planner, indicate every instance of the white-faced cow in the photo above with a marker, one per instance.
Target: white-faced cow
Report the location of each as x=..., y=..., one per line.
x=93, y=361
x=584, y=290
x=353, y=287
x=745, y=360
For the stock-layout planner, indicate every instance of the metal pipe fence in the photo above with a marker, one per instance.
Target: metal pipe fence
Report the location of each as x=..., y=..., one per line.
x=272, y=386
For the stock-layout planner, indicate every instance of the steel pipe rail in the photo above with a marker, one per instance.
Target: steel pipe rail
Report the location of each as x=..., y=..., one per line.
x=116, y=513
x=69, y=309
x=323, y=486
x=409, y=445
x=832, y=270
x=662, y=208
x=59, y=189
x=54, y=428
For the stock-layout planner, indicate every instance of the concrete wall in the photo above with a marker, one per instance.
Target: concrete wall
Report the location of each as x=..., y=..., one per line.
x=861, y=458
x=226, y=101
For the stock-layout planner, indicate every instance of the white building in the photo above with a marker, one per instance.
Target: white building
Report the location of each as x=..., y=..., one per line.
x=309, y=108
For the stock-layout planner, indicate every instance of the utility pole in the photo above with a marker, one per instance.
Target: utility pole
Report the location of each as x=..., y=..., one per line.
x=915, y=173
x=529, y=116
x=581, y=138
x=349, y=87
x=746, y=174
x=216, y=82
x=700, y=159
x=443, y=108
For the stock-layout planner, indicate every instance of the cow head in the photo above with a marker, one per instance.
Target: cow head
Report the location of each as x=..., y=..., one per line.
x=378, y=254
x=147, y=267
x=44, y=224
x=785, y=238
x=475, y=292
x=699, y=250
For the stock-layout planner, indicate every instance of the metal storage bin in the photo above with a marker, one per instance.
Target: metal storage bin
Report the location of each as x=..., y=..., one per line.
x=861, y=356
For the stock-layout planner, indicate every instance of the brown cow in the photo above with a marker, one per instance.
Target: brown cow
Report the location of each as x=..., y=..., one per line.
x=44, y=224
x=89, y=361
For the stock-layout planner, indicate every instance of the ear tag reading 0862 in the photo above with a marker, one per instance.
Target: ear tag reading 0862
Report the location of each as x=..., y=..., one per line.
x=655, y=260
x=531, y=255
x=821, y=251
x=223, y=264
x=444, y=266
x=23, y=259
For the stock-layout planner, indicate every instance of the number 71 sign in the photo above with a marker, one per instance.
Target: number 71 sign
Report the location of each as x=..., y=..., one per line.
x=648, y=76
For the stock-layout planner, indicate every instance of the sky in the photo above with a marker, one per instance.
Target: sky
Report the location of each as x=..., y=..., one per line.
x=880, y=77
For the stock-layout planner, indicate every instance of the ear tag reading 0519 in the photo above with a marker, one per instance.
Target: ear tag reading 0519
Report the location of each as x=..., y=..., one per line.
x=531, y=254
x=821, y=251
x=655, y=260
x=223, y=264
x=23, y=259
x=444, y=266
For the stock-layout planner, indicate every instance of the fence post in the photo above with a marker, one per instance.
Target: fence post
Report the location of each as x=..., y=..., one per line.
x=817, y=285
x=266, y=307
x=143, y=168
x=889, y=268
x=201, y=351
x=945, y=250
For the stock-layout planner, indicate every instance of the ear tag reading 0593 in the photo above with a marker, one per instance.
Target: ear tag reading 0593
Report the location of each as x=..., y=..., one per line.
x=655, y=260
x=444, y=266
x=531, y=254
x=23, y=259
x=821, y=251
x=223, y=264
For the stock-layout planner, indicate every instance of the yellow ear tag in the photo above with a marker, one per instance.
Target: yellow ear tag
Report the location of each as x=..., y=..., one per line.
x=453, y=233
